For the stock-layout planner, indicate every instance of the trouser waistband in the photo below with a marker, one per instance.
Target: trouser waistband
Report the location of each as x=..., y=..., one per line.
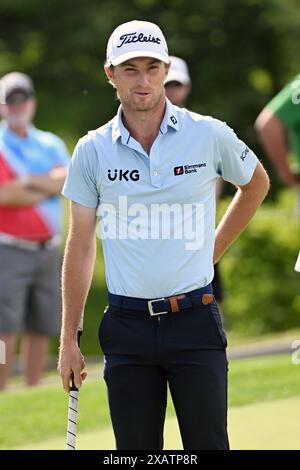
x=6, y=239
x=172, y=304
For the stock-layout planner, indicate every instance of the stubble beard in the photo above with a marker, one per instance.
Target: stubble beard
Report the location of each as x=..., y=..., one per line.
x=147, y=106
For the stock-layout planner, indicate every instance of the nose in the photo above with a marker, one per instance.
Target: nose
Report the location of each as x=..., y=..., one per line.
x=143, y=79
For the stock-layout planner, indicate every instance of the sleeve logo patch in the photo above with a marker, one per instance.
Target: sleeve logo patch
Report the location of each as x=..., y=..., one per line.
x=244, y=154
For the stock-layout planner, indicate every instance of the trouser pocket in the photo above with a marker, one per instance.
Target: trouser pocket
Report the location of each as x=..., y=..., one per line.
x=215, y=313
x=101, y=326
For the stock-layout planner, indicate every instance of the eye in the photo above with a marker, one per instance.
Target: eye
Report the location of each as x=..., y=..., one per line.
x=129, y=69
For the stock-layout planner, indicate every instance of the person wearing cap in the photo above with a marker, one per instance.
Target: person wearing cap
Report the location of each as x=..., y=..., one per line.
x=32, y=172
x=149, y=175
x=178, y=83
x=178, y=87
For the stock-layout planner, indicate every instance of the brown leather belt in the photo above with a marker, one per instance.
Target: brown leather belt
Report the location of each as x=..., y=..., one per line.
x=161, y=306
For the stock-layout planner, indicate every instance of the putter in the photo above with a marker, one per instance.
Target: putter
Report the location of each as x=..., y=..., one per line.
x=73, y=404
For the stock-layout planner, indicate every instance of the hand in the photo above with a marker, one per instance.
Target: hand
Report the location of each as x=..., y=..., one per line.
x=7, y=189
x=71, y=363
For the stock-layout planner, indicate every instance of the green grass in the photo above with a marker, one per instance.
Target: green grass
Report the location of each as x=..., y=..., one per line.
x=32, y=415
x=260, y=426
x=262, y=379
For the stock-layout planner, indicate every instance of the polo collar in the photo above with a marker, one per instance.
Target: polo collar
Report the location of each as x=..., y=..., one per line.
x=12, y=137
x=170, y=119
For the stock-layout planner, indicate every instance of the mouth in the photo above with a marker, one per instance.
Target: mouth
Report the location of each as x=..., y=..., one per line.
x=142, y=93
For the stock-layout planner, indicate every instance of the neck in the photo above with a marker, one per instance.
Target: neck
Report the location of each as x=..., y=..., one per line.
x=144, y=125
x=20, y=131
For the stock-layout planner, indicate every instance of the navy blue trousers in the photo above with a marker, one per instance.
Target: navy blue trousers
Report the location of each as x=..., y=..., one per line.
x=143, y=355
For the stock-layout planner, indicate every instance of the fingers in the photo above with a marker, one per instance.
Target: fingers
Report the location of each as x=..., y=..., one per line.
x=66, y=376
x=83, y=375
x=70, y=367
x=79, y=374
x=77, y=378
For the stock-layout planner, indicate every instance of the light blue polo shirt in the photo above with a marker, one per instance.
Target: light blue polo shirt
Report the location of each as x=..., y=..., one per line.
x=157, y=212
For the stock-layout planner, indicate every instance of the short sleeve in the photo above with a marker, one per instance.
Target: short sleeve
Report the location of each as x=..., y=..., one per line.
x=81, y=181
x=234, y=161
x=285, y=105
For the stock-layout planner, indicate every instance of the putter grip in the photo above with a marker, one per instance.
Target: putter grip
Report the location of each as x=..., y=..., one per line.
x=72, y=410
x=73, y=386
x=72, y=420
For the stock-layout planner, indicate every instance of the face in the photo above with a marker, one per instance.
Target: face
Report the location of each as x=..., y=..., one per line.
x=177, y=93
x=139, y=82
x=19, y=115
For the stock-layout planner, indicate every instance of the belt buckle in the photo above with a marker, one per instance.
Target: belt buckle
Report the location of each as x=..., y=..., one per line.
x=150, y=307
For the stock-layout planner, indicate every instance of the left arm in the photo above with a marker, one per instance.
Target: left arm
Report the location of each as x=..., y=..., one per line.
x=246, y=201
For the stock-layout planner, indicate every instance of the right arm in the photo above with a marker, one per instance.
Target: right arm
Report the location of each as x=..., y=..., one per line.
x=78, y=266
x=34, y=189
x=13, y=193
x=271, y=132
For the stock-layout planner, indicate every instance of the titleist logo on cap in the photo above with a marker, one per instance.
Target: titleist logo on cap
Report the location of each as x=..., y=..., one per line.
x=141, y=37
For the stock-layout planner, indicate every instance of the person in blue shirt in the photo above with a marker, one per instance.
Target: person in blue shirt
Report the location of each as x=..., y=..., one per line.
x=32, y=172
x=149, y=177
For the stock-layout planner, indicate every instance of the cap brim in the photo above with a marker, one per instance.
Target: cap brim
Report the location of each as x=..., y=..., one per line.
x=134, y=54
x=178, y=77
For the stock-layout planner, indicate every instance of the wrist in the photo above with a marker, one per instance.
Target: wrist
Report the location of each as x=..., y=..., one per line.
x=68, y=342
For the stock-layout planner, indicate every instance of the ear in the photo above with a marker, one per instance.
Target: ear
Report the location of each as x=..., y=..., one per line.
x=109, y=72
x=34, y=103
x=167, y=67
x=3, y=110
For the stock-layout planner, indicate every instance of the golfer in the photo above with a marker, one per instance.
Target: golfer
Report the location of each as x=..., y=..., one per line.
x=150, y=175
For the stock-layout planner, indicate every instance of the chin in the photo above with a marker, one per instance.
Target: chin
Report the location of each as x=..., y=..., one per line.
x=147, y=105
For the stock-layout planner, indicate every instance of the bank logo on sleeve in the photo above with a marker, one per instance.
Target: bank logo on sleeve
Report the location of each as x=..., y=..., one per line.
x=185, y=169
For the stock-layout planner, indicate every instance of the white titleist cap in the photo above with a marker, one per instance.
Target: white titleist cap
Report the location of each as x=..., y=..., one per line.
x=178, y=72
x=136, y=39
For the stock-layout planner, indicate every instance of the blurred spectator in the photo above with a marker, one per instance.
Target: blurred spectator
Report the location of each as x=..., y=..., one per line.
x=178, y=87
x=278, y=127
x=32, y=172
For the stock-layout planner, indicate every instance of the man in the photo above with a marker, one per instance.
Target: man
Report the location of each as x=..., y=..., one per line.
x=150, y=175
x=178, y=87
x=278, y=127
x=32, y=172
x=178, y=84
